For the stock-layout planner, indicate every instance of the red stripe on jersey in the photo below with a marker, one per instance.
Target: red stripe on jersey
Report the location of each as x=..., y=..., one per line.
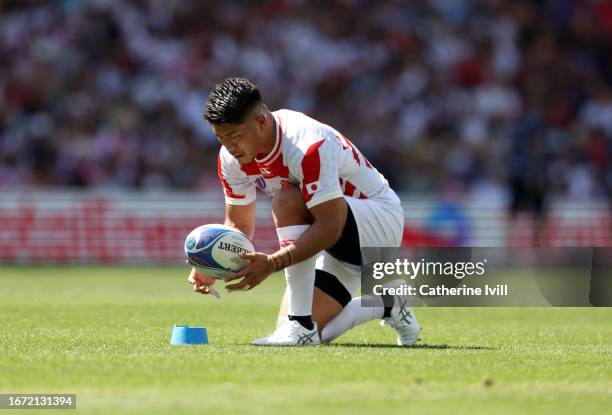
x=349, y=189
x=346, y=144
x=311, y=168
x=226, y=187
x=367, y=163
x=362, y=196
x=355, y=155
x=251, y=169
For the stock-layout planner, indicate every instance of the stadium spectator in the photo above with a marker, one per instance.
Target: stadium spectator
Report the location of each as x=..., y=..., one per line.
x=109, y=93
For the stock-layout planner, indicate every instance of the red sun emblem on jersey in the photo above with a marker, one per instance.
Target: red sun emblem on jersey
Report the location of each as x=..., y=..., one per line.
x=312, y=187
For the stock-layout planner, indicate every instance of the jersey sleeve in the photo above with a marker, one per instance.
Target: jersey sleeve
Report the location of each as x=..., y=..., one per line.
x=320, y=180
x=237, y=187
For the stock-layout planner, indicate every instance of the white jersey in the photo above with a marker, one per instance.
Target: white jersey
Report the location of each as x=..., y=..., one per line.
x=308, y=154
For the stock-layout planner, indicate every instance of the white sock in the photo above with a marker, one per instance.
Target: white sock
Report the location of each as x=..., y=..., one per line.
x=352, y=315
x=300, y=277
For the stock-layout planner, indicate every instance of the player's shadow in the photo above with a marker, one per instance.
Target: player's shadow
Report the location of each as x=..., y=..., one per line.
x=425, y=346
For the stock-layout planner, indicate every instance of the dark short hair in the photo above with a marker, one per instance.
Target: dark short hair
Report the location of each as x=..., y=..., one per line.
x=231, y=100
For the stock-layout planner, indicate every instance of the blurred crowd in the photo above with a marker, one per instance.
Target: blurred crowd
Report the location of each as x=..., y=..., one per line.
x=447, y=96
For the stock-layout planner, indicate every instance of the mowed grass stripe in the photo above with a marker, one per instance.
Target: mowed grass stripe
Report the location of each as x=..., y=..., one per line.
x=103, y=333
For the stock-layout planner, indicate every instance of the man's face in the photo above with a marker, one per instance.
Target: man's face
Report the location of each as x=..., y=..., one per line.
x=241, y=140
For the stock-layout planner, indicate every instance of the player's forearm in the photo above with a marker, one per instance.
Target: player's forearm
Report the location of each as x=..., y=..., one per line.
x=241, y=217
x=247, y=228
x=319, y=236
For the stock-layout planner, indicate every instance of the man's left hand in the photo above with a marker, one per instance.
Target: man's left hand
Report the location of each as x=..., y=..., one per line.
x=259, y=268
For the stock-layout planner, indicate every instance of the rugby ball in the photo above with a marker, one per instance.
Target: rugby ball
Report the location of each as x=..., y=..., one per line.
x=215, y=249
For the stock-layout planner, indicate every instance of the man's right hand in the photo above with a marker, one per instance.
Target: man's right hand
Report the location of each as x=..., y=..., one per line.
x=201, y=283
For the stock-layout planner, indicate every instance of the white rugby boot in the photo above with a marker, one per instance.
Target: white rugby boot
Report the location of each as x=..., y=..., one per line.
x=292, y=333
x=403, y=320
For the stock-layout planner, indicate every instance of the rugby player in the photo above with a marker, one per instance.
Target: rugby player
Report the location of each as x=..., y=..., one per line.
x=328, y=201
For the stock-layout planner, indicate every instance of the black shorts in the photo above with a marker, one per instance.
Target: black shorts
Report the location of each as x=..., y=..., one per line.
x=347, y=249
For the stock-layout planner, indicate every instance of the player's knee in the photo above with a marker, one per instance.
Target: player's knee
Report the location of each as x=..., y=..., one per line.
x=288, y=207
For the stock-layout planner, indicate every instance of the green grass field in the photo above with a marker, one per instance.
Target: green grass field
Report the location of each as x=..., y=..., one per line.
x=103, y=333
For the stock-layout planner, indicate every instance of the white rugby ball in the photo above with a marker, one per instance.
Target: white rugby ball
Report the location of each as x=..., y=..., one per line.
x=215, y=249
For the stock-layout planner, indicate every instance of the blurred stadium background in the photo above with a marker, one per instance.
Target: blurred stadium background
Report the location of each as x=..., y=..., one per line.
x=486, y=116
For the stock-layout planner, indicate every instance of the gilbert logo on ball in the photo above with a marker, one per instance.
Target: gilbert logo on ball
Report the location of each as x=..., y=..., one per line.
x=189, y=335
x=215, y=249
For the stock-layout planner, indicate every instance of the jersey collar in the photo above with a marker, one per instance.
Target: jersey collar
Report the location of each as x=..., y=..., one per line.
x=272, y=155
